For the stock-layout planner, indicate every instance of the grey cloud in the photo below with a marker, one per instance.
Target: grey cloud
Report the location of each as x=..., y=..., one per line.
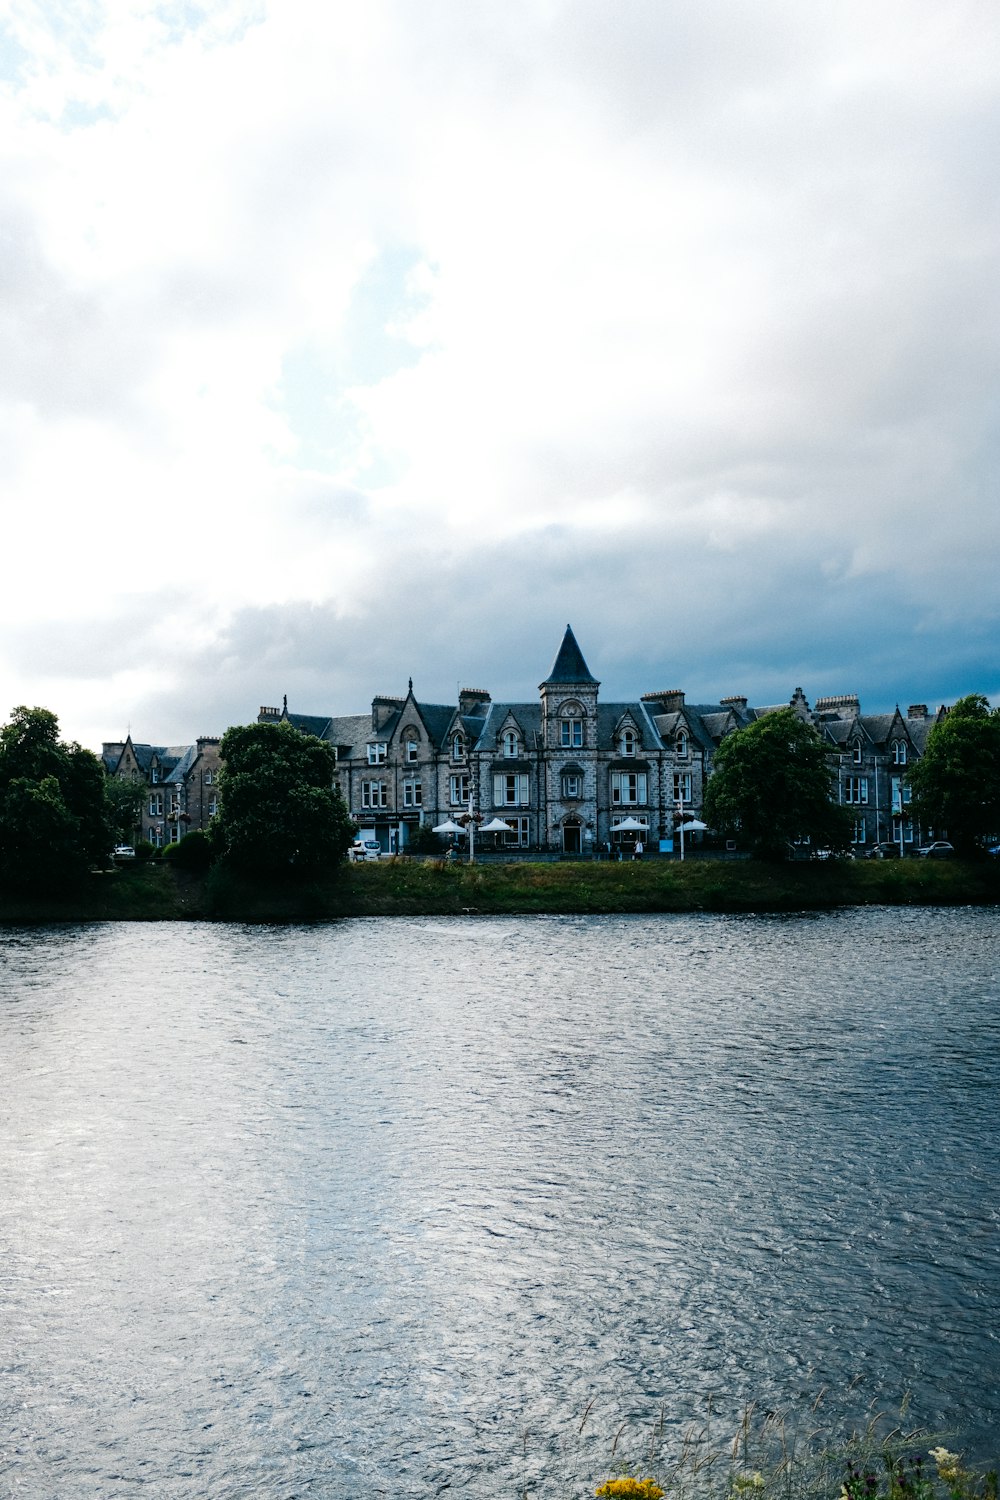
x=761, y=621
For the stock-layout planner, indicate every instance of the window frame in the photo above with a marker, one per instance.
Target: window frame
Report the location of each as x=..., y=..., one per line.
x=413, y=792
x=511, y=789
x=624, y=783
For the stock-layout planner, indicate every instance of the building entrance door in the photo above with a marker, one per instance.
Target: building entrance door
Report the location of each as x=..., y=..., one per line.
x=571, y=838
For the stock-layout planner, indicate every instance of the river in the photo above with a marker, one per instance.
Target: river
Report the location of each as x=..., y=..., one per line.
x=397, y=1207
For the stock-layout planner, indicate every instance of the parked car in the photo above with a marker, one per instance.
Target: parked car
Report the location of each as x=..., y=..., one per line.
x=364, y=849
x=884, y=851
x=123, y=851
x=940, y=849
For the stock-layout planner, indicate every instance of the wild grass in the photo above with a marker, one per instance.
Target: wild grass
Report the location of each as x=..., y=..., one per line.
x=407, y=887
x=773, y=1455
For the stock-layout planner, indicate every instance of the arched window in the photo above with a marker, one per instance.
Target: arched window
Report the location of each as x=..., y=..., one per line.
x=681, y=744
x=571, y=728
x=628, y=742
x=458, y=747
x=899, y=752
x=856, y=752
x=511, y=744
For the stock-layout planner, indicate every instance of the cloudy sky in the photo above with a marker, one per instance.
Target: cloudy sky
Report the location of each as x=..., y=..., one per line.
x=341, y=343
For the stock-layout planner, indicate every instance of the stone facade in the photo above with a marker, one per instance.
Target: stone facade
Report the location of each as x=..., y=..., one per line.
x=182, y=783
x=571, y=774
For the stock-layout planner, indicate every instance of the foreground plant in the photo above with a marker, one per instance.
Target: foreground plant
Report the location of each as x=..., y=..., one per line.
x=909, y=1477
x=628, y=1488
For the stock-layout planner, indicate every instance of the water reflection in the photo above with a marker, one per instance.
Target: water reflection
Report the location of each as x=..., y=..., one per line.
x=327, y=1209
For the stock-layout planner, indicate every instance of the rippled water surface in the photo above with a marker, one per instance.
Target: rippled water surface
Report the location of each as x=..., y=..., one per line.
x=379, y=1208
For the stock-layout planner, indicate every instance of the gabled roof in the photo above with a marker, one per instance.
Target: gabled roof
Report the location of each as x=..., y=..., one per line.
x=877, y=726
x=610, y=716
x=527, y=715
x=437, y=719
x=569, y=665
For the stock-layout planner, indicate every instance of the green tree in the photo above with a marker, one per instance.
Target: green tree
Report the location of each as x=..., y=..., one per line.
x=125, y=798
x=956, y=782
x=55, y=820
x=279, y=813
x=771, y=783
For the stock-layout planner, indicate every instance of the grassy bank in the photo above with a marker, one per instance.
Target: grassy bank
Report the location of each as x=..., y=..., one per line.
x=157, y=892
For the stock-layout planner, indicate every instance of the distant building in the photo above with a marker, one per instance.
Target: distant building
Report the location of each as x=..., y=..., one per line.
x=182, y=782
x=568, y=773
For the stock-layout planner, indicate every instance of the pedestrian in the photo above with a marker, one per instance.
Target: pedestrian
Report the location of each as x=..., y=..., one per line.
x=637, y=851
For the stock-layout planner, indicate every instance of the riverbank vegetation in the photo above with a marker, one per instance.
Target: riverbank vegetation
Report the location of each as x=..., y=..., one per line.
x=159, y=890
x=793, y=1454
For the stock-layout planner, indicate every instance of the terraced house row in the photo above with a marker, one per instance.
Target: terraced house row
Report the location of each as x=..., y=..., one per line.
x=569, y=773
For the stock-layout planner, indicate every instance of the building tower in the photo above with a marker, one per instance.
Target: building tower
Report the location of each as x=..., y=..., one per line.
x=569, y=740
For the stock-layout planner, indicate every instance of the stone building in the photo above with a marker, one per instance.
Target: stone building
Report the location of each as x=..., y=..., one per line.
x=569, y=773
x=182, y=782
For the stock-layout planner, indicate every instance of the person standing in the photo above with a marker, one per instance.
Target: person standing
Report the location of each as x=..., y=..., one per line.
x=637, y=851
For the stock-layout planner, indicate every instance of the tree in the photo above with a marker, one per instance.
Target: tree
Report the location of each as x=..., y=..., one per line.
x=956, y=782
x=55, y=820
x=279, y=813
x=125, y=798
x=771, y=783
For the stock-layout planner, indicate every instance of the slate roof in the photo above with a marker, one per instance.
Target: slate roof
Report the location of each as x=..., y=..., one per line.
x=880, y=726
x=316, y=724
x=569, y=665
x=437, y=718
x=350, y=732
x=610, y=715
x=529, y=720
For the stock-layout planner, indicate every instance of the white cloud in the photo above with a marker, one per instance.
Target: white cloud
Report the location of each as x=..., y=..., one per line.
x=324, y=309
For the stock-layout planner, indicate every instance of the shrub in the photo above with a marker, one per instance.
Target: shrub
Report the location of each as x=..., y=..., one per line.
x=194, y=852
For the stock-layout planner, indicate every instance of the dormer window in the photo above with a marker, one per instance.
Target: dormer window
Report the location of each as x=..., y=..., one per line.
x=899, y=752
x=681, y=745
x=412, y=750
x=856, y=752
x=376, y=753
x=458, y=747
x=628, y=742
x=154, y=774
x=511, y=744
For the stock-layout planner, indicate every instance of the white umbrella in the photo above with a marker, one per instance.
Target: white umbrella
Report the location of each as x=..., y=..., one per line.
x=695, y=826
x=496, y=825
x=449, y=826
x=629, y=825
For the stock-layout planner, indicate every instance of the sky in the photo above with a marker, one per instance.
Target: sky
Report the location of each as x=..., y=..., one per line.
x=342, y=344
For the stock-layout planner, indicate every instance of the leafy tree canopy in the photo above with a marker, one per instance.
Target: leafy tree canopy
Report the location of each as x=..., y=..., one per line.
x=125, y=798
x=55, y=820
x=956, y=782
x=771, y=784
x=279, y=814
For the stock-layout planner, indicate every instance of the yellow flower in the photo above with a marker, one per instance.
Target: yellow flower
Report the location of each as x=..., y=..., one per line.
x=630, y=1489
